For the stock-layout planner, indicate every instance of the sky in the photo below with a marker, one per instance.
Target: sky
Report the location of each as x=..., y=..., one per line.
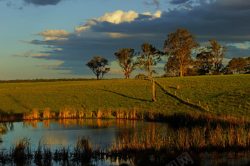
x=56, y=38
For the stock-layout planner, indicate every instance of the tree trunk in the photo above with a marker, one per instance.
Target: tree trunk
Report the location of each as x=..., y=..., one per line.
x=181, y=71
x=149, y=72
x=126, y=75
x=153, y=91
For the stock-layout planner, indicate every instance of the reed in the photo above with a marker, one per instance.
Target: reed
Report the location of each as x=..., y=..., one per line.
x=21, y=152
x=83, y=151
x=185, y=139
x=47, y=156
x=67, y=112
x=48, y=114
x=61, y=154
x=137, y=147
x=38, y=155
x=189, y=119
x=33, y=115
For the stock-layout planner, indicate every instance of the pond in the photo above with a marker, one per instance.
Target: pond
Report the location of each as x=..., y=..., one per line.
x=118, y=136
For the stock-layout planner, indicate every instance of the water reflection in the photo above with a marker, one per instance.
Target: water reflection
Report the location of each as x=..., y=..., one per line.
x=64, y=132
x=90, y=123
x=155, y=142
x=4, y=128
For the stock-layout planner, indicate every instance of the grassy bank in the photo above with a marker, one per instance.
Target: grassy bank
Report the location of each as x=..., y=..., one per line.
x=227, y=95
x=223, y=95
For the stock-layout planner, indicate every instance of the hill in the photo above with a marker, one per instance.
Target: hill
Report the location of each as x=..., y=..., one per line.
x=228, y=95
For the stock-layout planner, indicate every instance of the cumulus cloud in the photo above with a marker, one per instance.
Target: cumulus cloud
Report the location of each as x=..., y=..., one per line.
x=118, y=17
x=209, y=20
x=155, y=15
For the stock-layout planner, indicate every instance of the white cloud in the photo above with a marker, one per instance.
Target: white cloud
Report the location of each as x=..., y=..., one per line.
x=243, y=46
x=157, y=14
x=86, y=26
x=54, y=35
x=117, y=17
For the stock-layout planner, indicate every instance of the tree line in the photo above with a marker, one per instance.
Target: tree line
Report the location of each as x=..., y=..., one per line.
x=185, y=57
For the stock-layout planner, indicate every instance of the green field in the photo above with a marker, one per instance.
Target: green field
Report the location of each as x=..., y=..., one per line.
x=222, y=94
x=225, y=94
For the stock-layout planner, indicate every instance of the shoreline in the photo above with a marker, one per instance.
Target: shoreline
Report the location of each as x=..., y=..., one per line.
x=188, y=119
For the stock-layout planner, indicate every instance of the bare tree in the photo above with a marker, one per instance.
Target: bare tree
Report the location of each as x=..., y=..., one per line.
x=98, y=65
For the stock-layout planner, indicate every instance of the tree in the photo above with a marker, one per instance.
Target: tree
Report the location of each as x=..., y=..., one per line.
x=209, y=60
x=148, y=58
x=238, y=65
x=204, y=62
x=125, y=58
x=98, y=65
x=248, y=65
x=179, y=46
x=171, y=67
x=217, y=54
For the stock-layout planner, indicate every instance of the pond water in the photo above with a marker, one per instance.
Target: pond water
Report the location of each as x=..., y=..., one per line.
x=64, y=133
x=105, y=134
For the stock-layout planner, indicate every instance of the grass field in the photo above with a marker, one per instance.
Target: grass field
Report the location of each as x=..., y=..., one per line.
x=222, y=94
x=226, y=94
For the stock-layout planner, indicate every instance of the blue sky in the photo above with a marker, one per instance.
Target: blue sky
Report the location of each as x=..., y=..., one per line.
x=55, y=38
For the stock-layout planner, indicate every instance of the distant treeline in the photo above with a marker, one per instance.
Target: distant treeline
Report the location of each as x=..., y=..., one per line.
x=185, y=56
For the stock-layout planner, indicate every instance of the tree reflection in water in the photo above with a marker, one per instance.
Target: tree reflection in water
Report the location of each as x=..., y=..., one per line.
x=4, y=128
x=148, y=143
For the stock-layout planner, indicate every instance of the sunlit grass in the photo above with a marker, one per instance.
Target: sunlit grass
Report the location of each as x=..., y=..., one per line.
x=229, y=94
x=220, y=94
x=84, y=95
